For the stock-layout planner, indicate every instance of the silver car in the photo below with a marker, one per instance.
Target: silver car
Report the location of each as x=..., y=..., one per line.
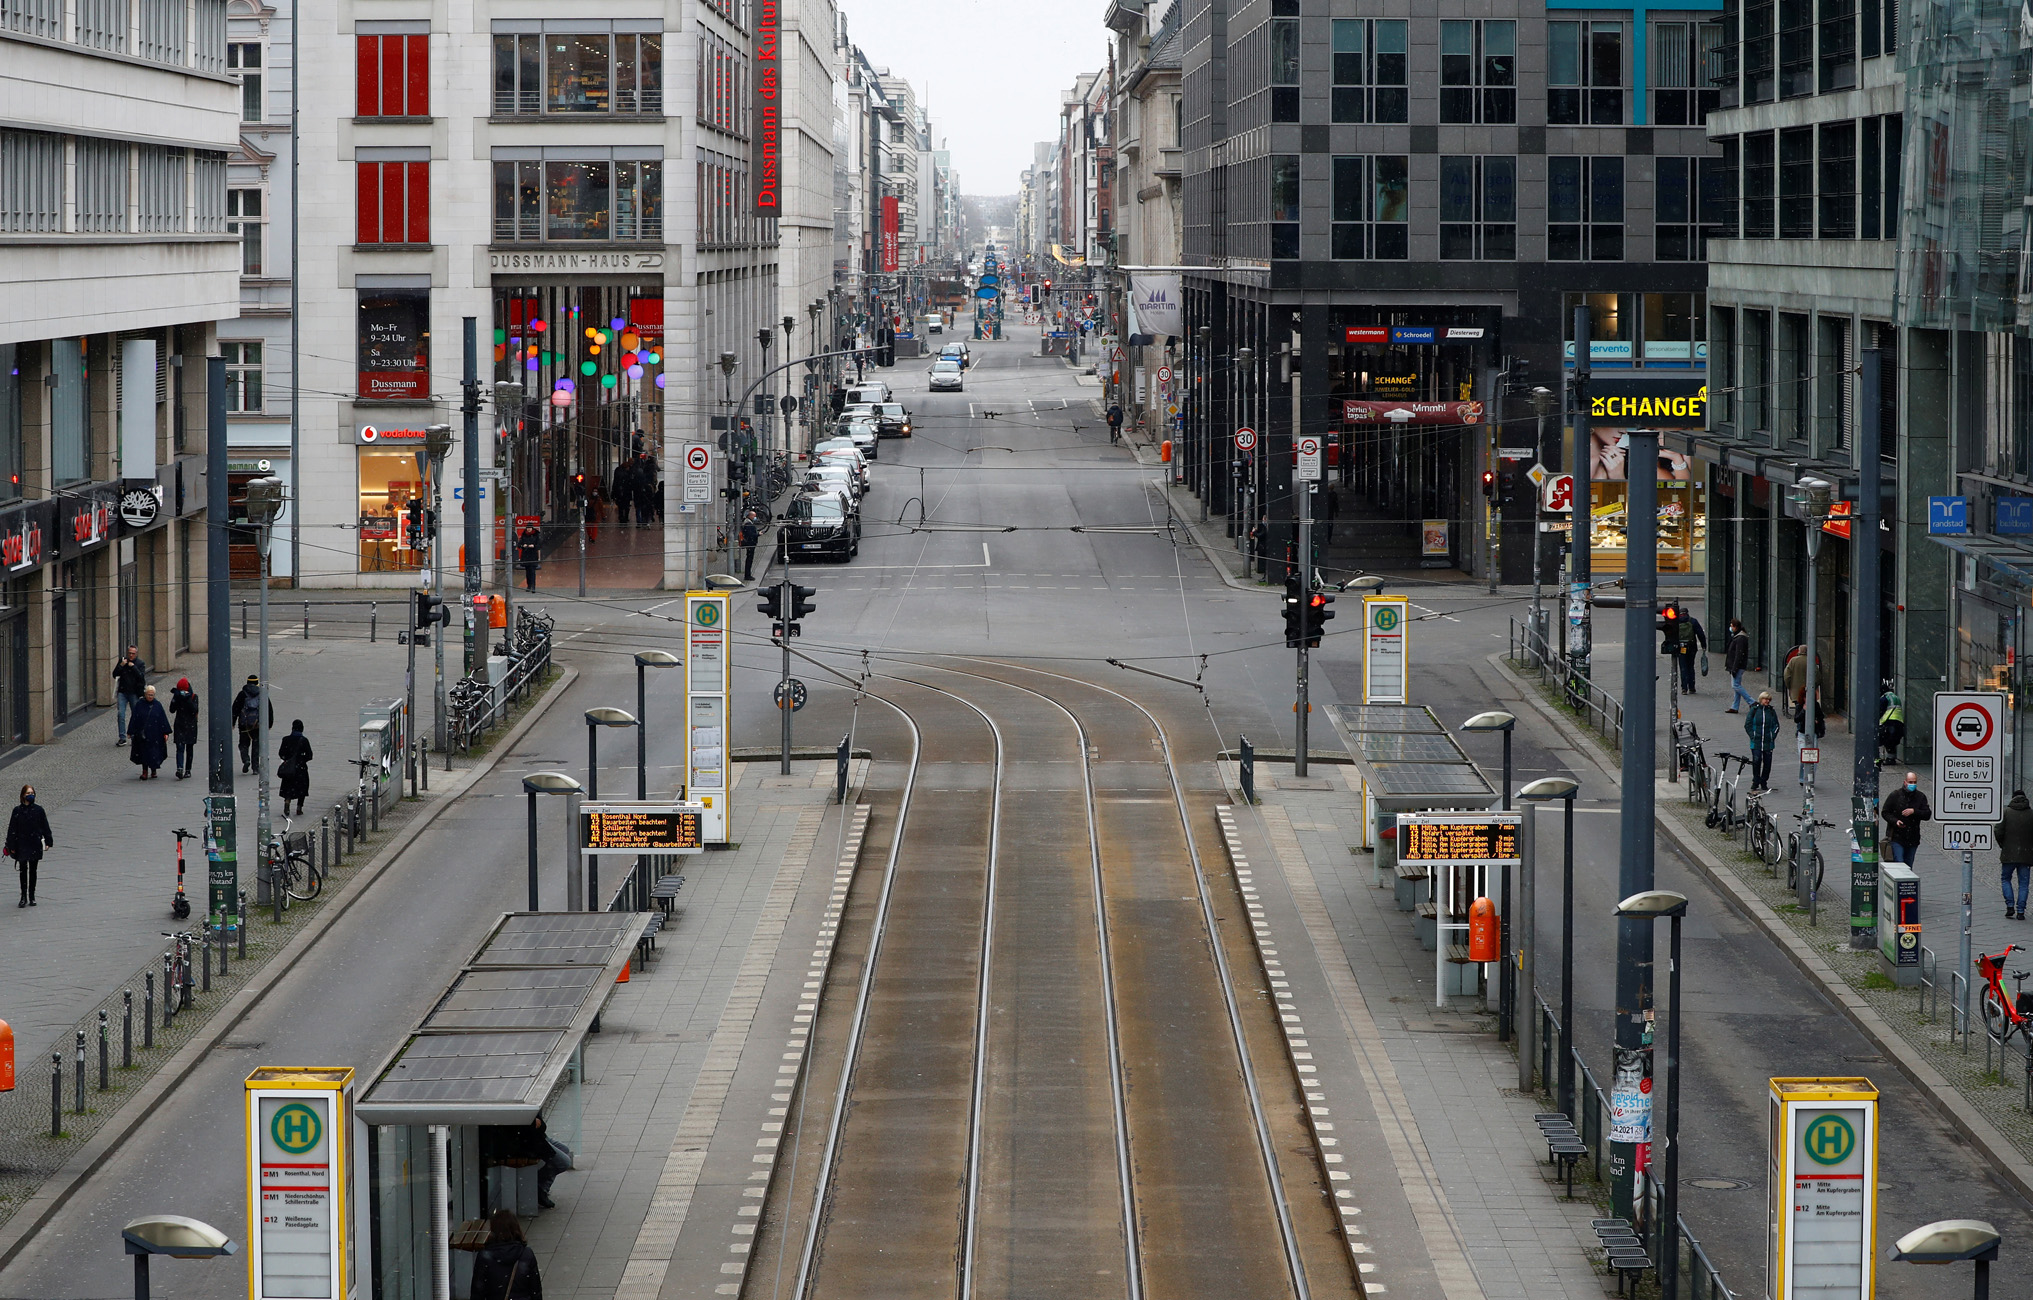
x=947, y=377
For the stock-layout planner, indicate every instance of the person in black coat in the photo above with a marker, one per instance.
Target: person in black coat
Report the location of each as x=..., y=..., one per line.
x=295, y=769
x=529, y=553
x=149, y=730
x=247, y=719
x=183, y=725
x=505, y=1268
x=27, y=836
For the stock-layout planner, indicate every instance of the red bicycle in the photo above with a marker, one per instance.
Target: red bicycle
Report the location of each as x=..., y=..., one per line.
x=2006, y=1015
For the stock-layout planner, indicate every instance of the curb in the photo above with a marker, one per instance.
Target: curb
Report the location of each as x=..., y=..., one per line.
x=1982, y=1134
x=57, y=1191
x=1192, y=530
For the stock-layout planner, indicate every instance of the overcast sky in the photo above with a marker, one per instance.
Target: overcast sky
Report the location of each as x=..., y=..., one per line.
x=991, y=73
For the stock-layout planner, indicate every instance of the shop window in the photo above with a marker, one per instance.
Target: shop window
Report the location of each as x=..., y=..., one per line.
x=245, y=219
x=1585, y=209
x=1285, y=70
x=1838, y=42
x=1478, y=71
x=1760, y=51
x=395, y=344
x=1371, y=208
x=1584, y=73
x=591, y=200
x=70, y=415
x=1369, y=70
x=1675, y=326
x=1478, y=209
x=1682, y=506
x=244, y=57
x=243, y=376
x=1612, y=326
x=394, y=75
x=395, y=202
x=1284, y=211
x=389, y=482
x=1754, y=387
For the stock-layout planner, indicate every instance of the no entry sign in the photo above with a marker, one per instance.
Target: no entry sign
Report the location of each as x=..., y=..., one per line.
x=1969, y=756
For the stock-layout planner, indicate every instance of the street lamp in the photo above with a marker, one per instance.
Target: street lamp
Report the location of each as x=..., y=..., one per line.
x=596, y=719
x=437, y=445
x=172, y=1235
x=1243, y=516
x=1814, y=498
x=1650, y=906
x=265, y=498
x=1544, y=789
x=1950, y=1242
x=537, y=783
x=1498, y=720
x=644, y=660
x=509, y=408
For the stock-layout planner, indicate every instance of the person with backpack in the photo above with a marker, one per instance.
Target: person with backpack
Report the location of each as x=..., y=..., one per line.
x=294, y=772
x=505, y=1268
x=183, y=722
x=1115, y=422
x=1891, y=729
x=247, y=718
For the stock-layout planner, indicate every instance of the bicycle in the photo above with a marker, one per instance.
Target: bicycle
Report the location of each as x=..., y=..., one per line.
x=2004, y=1016
x=1762, y=839
x=291, y=869
x=1793, y=854
x=181, y=986
x=1691, y=758
x=1722, y=803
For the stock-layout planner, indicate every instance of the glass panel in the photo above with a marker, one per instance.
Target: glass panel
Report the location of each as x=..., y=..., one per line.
x=70, y=435
x=1457, y=189
x=1284, y=53
x=1606, y=189
x=1347, y=36
x=1670, y=196
x=1285, y=187
x=1563, y=53
x=1563, y=189
x=1347, y=242
x=1391, y=193
x=578, y=200
x=1347, y=197
x=1500, y=189
x=577, y=75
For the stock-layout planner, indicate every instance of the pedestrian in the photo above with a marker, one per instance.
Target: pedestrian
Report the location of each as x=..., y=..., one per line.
x=1891, y=728
x=2015, y=852
x=751, y=533
x=1903, y=812
x=1796, y=689
x=1115, y=422
x=529, y=553
x=183, y=724
x=149, y=729
x=1687, y=637
x=505, y=1268
x=649, y=494
x=294, y=770
x=27, y=836
x=622, y=489
x=1330, y=510
x=1736, y=657
x=129, y=676
x=1762, y=726
x=247, y=718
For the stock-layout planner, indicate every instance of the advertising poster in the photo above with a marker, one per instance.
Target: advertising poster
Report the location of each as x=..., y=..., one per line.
x=395, y=344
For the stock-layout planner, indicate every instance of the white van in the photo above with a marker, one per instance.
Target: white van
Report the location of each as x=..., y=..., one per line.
x=935, y=324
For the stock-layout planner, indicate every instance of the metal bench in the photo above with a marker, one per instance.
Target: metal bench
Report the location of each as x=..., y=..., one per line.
x=1566, y=1153
x=665, y=892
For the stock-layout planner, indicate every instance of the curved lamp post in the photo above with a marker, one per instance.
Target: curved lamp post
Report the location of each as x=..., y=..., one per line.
x=1498, y=720
x=534, y=784
x=265, y=498
x=1950, y=1242
x=596, y=719
x=1544, y=789
x=172, y=1235
x=1650, y=906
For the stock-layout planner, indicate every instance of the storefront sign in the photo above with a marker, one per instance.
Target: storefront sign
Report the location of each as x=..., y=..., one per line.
x=1365, y=412
x=1838, y=519
x=574, y=262
x=1659, y=406
x=1947, y=515
x=299, y=1177
x=395, y=344
x=138, y=509
x=1403, y=334
x=889, y=232
x=1612, y=350
x=2015, y=517
x=25, y=536
x=371, y=434
x=87, y=519
x=768, y=57
x=1368, y=334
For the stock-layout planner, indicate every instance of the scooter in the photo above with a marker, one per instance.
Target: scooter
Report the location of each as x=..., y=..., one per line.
x=180, y=906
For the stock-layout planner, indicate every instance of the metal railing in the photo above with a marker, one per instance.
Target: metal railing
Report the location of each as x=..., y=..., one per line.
x=478, y=706
x=1603, y=712
x=328, y=618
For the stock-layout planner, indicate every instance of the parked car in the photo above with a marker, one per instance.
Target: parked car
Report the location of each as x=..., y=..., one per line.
x=865, y=434
x=892, y=421
x=834, y=476
x=868, y=391
x=861, y=410
x=946, y=376
x=844, y=450
x=822, y=523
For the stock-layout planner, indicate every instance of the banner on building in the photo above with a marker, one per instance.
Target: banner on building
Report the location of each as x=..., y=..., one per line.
x=1155, y=299
x=889, y=232
x=1064, y=258
x=1359, y=412
x=768, y=110
x=395, y=344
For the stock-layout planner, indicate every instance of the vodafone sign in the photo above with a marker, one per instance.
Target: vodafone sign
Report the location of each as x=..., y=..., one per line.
x=368, y=435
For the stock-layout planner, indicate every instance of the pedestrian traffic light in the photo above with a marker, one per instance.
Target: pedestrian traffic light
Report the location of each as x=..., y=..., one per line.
x=428, y=609
x=771, y=602
x=885, y=351
x=1317, y=614
x=1489, y=484
x=801, y=601
x=1669, y=628
x=1295, y=614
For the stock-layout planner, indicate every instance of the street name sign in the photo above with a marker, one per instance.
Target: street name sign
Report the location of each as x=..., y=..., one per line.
x=1969, y=756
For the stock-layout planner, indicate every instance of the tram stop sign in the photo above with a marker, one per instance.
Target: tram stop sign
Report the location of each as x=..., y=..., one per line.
x=1969, y=756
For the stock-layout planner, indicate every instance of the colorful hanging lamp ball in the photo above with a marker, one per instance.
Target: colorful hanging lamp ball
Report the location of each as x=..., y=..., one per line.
x=547, y=358
x=501, y=336
x=635, y=372
x=659, y=381
x=593, y=349
x=531, y=363
x=592, y=333
x=561, y=398
x=619, y=322
x=608, y=381
x=567, y=383
x=537, y=325
x=631, y=340
x=628, y=359
x=588, y=368
x=653, y=358
x=500, y=353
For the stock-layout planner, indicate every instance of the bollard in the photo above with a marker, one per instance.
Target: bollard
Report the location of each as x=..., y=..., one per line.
x=423, y=746
x=148, y=1010
x=183, y=956
x=243, y=620
x=126, y=1029
x=307, y=620
x=325, y=844
x=56, y=1095
x=346, y=827
x=80, y=1102
x=207, y=941
x=373, y=614
x=275, y=894
x=105, y=1049
x=243, y=925
x=374, y=818
x=168, y=990
x=221, y=933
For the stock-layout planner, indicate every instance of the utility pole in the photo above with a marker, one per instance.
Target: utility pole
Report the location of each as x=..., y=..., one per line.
x=1542, y=401
x=1581, y=574
x=476, y=635
x=437, y=445
x=1302, y=495
x=1814, y=498
x=1630, y=1078
x=222, y=851
x=1870, y=670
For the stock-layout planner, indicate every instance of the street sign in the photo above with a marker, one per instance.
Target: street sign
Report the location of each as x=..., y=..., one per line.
x=1558, y=493
x=631, y=827
x=698, y=486
x=1821, y=1218
x=1971, y=838
x=1948, y=514
x=1538, y=474
x=1383, y=649
x=1308, y=470
x=1969, y=756
x=1164, y=374
x=708, y=724
x=299, y=1129
x=1245, y=439
x=797, y=695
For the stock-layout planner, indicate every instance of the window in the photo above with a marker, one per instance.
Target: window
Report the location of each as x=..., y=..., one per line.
x=579, y=73
x=1284, y=70
x=1760, y=57
x=1681, y=55
x=1756, y=370
x=1838, y=45
x=1478, y=71
x=395, y=344
x=1720, y=181
x=394, y=199
x=1838, y=179
x=244, y=57
x=1371, y=208
x=1682, y=198
x=1284, y=211
x=10, y=422
x=36, y=17
x=243, y=375
x=1674, y=325
x=1584, y=73
x=102, y=24
x=595, y=199
x=1760, y=181
x=31, y=182
x=208, y=178
x=1832, y=389
x=1796, y=48
x=394, y=74
x=1878, y=156
x=518, y=73
x=1369, y=70
x=244, y=210
x=101, y=186
x=1612, y=325
x=1793, y=378
x=1722, y=366
x=722, y=85
x=161, y=192
x=576, y=73
x=162, y=30
x=1478, y=209
x=1881, y=36
x=70, y=412
x=1796, y=183
x=1585, y=209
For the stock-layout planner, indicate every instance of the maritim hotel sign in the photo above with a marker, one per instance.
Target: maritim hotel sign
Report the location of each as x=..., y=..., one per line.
x=769, y=146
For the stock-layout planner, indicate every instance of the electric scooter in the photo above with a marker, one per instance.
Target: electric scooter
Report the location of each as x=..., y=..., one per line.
x=180, y=906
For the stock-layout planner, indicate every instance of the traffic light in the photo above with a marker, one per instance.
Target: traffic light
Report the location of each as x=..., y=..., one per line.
x=1317, y=614
x=771, y=602
x=1048, y=286
x=885, y=350
x=579, y=485
x=427, y=609
x=1295, y=614
x=801, y=601
x=1669, y=629
x=1489, y=484
x=413, y=524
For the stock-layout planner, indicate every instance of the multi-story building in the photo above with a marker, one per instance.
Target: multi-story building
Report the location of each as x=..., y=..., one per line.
x=1146, y=220
x=805, y=232
x=117, y=263
x=1412, y=205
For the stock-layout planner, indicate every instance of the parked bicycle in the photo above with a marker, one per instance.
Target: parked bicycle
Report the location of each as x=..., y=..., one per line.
x=1793, y=854
x=181, y=984
x=1691, y=759
x=1762, y=838
x=291, y=868
x=2005, y=1016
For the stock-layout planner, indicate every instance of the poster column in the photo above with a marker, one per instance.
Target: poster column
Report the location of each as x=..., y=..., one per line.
x=299, y=1177
x=707, y=723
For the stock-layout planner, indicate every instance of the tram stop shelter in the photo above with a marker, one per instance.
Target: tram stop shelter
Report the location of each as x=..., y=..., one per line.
x=503, y=1045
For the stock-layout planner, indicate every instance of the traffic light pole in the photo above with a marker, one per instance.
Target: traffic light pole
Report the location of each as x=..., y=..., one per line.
x=784, y=701
x=1303, y=706
x=476, y=630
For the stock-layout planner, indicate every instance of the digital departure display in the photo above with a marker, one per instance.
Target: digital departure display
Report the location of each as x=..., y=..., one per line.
x=605, y=828
x=1459, y=837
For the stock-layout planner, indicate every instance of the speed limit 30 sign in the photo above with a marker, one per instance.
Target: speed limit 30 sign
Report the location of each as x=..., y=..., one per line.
x=1969, y=756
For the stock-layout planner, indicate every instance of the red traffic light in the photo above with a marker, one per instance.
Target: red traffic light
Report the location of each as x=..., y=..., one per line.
x=1489, y=483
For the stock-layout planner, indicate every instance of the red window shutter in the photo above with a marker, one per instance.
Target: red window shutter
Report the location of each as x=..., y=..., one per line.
x=368, y=96
x=370, y=203
x=417, y=61
x=391, y=203
x=419, y=202
x=394, y=86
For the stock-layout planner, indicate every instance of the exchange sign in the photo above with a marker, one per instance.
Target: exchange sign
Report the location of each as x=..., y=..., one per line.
x=642, y=827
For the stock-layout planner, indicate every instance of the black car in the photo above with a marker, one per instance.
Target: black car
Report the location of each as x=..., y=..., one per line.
x=822, y=523
x=892, y=421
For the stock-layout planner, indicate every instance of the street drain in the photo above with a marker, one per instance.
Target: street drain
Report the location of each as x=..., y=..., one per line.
x=1719, y=1184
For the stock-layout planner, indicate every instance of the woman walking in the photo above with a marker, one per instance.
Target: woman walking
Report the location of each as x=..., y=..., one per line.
x=27, y=835
x=295, y=768
x=149, y=730
x=183, y=722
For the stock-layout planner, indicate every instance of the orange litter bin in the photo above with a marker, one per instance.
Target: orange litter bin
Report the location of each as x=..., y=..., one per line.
x=1483, y=941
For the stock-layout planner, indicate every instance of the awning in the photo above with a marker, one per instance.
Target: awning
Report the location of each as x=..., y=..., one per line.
x=2011, y=562
x=503, y=1032
x=1756, y=459
x=1407, y=759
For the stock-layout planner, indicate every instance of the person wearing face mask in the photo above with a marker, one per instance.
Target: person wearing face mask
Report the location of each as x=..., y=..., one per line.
x=27, y=836
x=1903, y=812
x=2015, y=853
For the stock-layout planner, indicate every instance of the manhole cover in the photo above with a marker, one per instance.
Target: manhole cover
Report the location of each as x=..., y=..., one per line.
x=1719, y=1184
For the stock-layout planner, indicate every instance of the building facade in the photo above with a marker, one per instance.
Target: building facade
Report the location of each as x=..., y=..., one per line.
x=118, y=264
x=1146, y=111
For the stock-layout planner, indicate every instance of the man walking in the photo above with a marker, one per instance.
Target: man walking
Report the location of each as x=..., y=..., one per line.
x=1736, y=657
x=529, y=553
x=1687, y=636
x=751, y=533
x=247, y=719
x=2015, y=852
x=1762, y=727
x=1115, y=422
x=130, y=679
x=1903, y=812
